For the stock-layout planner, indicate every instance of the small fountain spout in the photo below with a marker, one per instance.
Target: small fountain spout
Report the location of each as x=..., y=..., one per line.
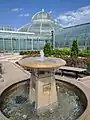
x=41, y=55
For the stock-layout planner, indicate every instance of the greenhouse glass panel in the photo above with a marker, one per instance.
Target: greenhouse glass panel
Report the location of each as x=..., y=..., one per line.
x=35, y=44
x=41, y=44
x=22, y=44
x=15, y=43
x=29, y=44
x=1, y=44
x=7, y=44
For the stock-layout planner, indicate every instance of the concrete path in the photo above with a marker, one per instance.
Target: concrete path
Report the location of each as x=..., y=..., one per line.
x=85, y=81
x=11, y=57
x=13, y=72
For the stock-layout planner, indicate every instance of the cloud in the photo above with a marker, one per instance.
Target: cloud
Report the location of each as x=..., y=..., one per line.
x=24, y=15
x=16, y=9
x=70, y=18
x=50, y=12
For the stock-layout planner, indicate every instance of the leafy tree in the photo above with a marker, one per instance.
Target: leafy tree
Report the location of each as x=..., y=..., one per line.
x=74, y=49
x=47, y=49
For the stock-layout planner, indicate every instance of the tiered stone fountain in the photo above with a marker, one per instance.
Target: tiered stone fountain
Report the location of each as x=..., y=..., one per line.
x=42, y=83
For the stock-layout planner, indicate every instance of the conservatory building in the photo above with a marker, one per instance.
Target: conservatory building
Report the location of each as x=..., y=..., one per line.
x=30, y=36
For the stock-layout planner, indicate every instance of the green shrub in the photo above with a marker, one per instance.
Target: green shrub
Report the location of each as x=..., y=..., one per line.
x=31, y=52
x=88, y=49
x=74, y=49
x=84, y=54
x=60, y=52
x=21, y=53
x=47, y=49
x=65, y=51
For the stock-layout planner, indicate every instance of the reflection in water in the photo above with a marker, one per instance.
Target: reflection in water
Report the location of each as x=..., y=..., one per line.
x=16, y=105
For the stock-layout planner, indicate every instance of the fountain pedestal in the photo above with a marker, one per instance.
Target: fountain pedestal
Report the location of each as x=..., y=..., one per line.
x=43, y=89
x=42, y=84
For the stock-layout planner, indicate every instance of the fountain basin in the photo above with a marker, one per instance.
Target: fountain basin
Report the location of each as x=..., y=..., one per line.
x=21, y=100
x=80, y=91
x=46, y=63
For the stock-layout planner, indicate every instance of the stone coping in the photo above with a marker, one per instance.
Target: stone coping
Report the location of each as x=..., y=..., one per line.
x=86, y=78
x=76, y=83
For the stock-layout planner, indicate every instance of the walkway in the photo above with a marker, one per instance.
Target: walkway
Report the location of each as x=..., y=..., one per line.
x=85, y=81
x=12, y=73
x=11, y=57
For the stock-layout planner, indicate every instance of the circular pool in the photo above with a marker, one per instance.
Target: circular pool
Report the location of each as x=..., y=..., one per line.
x=15, y=104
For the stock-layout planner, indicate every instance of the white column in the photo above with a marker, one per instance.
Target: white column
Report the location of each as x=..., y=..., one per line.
x=32, y=43
x=26, y=43
x=19, y=43
x=38, y=43
x=3, y=45
x=44, y=41
x=11, y=44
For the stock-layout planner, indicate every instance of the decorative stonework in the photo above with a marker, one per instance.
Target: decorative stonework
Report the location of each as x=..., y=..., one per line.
x=47, y=88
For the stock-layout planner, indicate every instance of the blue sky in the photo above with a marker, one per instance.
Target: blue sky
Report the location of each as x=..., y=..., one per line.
x=65, y=12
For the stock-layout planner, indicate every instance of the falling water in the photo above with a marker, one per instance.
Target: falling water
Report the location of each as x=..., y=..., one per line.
x=41, y=55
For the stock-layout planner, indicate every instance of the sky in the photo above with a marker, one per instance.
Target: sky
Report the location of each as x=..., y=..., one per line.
x=64, y=12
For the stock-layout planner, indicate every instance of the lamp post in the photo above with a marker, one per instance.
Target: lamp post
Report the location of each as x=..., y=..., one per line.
x=52, y=38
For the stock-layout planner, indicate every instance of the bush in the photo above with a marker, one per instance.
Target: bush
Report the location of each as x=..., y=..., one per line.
x=88, y=49
x=65, y=51
x=84, y=54
x=61, y=52
x=74, y=49
x=31, y=52
x=21, y=53
x=47, y=49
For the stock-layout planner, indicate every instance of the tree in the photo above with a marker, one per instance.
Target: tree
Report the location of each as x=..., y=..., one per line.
x=74, y=53
x=47, y=49
x=74, y=49
x=88, y=49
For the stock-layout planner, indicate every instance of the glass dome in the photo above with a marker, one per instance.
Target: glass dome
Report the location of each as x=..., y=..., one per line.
x=42, y=25
x=41, y=15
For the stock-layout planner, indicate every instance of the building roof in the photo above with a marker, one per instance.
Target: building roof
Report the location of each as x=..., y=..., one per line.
x=41, y=15
x=42, y=25
x=30, y=33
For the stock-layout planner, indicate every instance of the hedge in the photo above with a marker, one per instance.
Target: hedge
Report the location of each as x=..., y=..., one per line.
x=29, y=52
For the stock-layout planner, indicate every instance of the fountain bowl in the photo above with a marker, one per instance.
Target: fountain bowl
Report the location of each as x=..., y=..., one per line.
x=37, y=63
x=75, y=86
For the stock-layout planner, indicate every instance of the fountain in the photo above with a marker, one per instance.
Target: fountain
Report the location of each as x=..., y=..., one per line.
x=42, y=84
x=41, y=55
x=43, y=97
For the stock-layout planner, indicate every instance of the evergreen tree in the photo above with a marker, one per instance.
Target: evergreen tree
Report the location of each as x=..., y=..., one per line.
x=74, y=49
x=74, y=53
x=47, y=49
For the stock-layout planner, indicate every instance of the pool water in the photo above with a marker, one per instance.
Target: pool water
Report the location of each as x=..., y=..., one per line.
x=15, y=104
